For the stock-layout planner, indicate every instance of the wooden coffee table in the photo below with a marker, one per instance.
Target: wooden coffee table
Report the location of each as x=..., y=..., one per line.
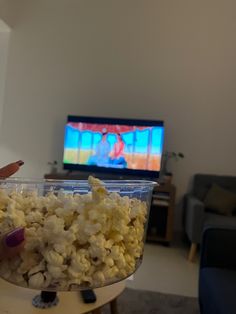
x=17, y=300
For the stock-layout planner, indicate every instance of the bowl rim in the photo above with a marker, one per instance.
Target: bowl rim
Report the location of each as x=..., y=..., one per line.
x=79, y=183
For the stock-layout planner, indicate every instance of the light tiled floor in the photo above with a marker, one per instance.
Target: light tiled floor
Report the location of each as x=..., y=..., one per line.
x=167, y=270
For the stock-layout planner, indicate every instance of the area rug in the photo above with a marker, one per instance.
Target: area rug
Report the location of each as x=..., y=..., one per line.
x=146, y=302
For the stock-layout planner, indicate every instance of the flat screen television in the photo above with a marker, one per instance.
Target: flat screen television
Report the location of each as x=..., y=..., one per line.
x=109, y=145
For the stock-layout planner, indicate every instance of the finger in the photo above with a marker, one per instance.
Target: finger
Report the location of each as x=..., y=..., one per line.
x=20, y=162
x=12, y=243
x=10, y=169
x=11, y=252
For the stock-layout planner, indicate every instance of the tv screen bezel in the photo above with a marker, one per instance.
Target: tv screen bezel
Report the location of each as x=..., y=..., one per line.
x=107, y=170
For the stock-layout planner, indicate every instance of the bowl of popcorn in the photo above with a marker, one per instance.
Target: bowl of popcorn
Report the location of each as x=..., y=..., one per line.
x=78, y=234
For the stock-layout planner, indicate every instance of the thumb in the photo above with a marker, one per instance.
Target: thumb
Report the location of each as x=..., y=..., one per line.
x=12, y=243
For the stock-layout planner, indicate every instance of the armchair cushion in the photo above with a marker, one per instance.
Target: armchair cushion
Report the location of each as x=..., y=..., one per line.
x=216, y=220
x=220, y=201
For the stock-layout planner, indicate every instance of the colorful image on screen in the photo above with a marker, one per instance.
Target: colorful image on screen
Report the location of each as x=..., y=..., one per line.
x=113, y=146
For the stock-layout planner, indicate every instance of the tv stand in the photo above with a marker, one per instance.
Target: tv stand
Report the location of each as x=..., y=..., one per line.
x=82, y=175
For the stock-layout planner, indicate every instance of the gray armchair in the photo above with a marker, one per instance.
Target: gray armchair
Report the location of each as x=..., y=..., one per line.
x=196, y=217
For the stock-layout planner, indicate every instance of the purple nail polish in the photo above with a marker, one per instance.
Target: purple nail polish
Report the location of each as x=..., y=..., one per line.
x=15, y=237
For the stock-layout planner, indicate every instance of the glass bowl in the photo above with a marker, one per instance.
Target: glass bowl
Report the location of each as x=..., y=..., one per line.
x=78, y=234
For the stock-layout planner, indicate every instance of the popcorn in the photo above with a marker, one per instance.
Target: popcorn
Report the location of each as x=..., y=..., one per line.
x=36, y=281
x=56, y=271
x=4, y=199
x=53, y=226
x=64, y=249
x=110, y=272
x=34, y=237
x=36, y=269
x=75, y=239
x=92, y=228
x=35, y=216
x=53, y=258
x=99, y=278
x=15, y=216
x=97, y=247
x=47, y=279
x=109, y=261
x=98, y=189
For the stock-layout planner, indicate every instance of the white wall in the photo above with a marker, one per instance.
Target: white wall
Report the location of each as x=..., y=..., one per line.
x=158, y=59
x=10, y=10
x=4, y=40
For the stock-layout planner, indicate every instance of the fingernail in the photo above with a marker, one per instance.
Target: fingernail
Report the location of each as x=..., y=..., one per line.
x=15, y=237
x=20, y=162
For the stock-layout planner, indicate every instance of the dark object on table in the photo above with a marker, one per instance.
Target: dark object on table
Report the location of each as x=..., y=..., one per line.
x=211, y=202
x=48, y=296
x=45, y=300
x=88, y=296
x=217, y=281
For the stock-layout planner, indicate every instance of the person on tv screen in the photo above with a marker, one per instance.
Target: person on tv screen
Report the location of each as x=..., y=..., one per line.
x=102, y=151
x=117, y=155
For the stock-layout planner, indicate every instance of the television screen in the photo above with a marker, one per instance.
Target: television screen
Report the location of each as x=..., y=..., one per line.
x=113, y=145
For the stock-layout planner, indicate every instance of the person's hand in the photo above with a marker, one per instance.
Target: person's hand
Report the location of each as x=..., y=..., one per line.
x=10, y=169
x=12, y=243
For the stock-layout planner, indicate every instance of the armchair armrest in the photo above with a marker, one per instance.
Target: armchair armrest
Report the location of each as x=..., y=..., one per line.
x=194, y=218
x=218, y=248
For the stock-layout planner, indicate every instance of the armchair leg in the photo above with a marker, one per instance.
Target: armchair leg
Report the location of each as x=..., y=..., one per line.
x=192, y=252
